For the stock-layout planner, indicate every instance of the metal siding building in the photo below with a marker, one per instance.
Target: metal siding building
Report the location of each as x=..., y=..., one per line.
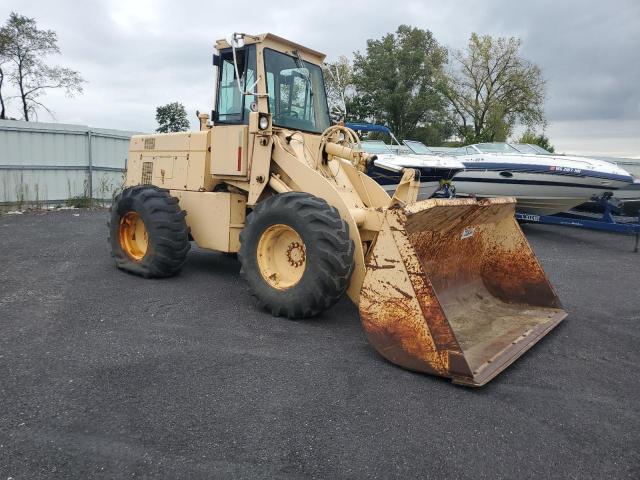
x=50, y=163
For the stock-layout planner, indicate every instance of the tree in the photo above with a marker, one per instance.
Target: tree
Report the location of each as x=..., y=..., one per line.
x=396, y=81
x=3, y=115
x=491, y=88
x=434, y=133
x=338, y=78
x=172, y=117
x=25, y=46
x=3, y=61
x=530, y=136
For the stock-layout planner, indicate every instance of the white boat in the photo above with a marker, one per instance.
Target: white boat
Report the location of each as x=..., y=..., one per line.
x=388, y=166
x=541, y=182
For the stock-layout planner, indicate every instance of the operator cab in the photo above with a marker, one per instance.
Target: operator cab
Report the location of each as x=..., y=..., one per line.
x=294, y=87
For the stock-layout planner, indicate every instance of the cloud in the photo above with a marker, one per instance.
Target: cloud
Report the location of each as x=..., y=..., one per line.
x=597, y=137
x=138, y=55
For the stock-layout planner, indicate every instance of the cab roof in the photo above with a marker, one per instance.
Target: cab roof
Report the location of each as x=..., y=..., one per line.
x=275, y=40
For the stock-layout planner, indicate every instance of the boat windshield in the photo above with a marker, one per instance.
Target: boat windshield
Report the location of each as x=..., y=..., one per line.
x=524, y=148
x=400, y=149
x=540, y=150
x=496, y=147
x=375, y=146
x=530, y=148
x=448, y=150
x=417, y=147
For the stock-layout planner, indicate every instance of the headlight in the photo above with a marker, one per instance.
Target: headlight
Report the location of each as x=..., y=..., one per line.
x=263, y=123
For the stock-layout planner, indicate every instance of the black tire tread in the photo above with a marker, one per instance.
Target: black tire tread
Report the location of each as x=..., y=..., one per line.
x=330, y=237
x=166, y=226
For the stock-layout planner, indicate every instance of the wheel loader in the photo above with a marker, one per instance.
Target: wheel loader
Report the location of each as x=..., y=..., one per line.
x=448, y=287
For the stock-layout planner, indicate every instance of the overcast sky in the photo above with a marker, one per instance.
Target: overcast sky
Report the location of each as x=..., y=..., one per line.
x=138, y=54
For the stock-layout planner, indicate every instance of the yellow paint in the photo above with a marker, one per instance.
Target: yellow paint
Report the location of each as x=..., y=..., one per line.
x=133, y=236
x=225, y=140
x=184, y=158
x=282, y=256
x=215, y=218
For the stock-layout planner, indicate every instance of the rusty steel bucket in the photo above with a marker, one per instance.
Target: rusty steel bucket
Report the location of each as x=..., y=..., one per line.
x=452, y=288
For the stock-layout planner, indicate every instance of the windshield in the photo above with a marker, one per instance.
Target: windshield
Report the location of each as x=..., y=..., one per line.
x=539, y=149
x=296, y=91
x=400, y=149
x=448, y=150
x=417, y=147
x=496, y=147
x=375, y=146
x=524, y=148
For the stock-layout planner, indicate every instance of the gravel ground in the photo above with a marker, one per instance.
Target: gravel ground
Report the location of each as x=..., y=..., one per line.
x=107, y=375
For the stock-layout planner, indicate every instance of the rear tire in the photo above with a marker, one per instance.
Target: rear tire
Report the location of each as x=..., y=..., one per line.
x=296, y=254
x=156, y=247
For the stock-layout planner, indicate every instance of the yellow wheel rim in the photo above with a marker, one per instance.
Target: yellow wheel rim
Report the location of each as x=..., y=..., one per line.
x=134, y=239
x=282, y=256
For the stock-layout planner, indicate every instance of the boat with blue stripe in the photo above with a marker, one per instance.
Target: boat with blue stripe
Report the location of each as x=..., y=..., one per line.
x=542, y=183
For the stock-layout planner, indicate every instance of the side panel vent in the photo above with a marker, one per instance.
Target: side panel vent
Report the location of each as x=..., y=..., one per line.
x=149, y=143
x=147, y=172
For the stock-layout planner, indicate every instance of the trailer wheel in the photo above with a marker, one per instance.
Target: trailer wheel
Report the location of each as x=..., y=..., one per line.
x=147, y=232
x=296, y=254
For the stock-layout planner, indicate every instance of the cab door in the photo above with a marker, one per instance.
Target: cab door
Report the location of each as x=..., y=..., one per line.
x=230, y=134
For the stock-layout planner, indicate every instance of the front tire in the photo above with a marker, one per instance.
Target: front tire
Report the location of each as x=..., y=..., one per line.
x=296, y=254
x=147, y=232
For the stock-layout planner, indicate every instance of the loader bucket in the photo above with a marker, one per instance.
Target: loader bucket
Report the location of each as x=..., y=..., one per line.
x=452, y=288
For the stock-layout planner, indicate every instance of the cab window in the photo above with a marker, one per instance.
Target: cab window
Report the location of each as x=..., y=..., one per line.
x=297, y=98
x=233, y=106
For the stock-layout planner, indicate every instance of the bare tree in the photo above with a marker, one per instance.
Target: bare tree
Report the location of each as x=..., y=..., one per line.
x=491, y=88
x=3, y=115
x=339, y=85
x=25, y=46
x=3, y=60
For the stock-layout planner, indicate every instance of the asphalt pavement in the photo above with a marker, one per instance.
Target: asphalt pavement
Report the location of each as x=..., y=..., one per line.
x=107, y=375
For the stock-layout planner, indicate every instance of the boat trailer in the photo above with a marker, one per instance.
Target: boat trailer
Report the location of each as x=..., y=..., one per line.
x=607, y=222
